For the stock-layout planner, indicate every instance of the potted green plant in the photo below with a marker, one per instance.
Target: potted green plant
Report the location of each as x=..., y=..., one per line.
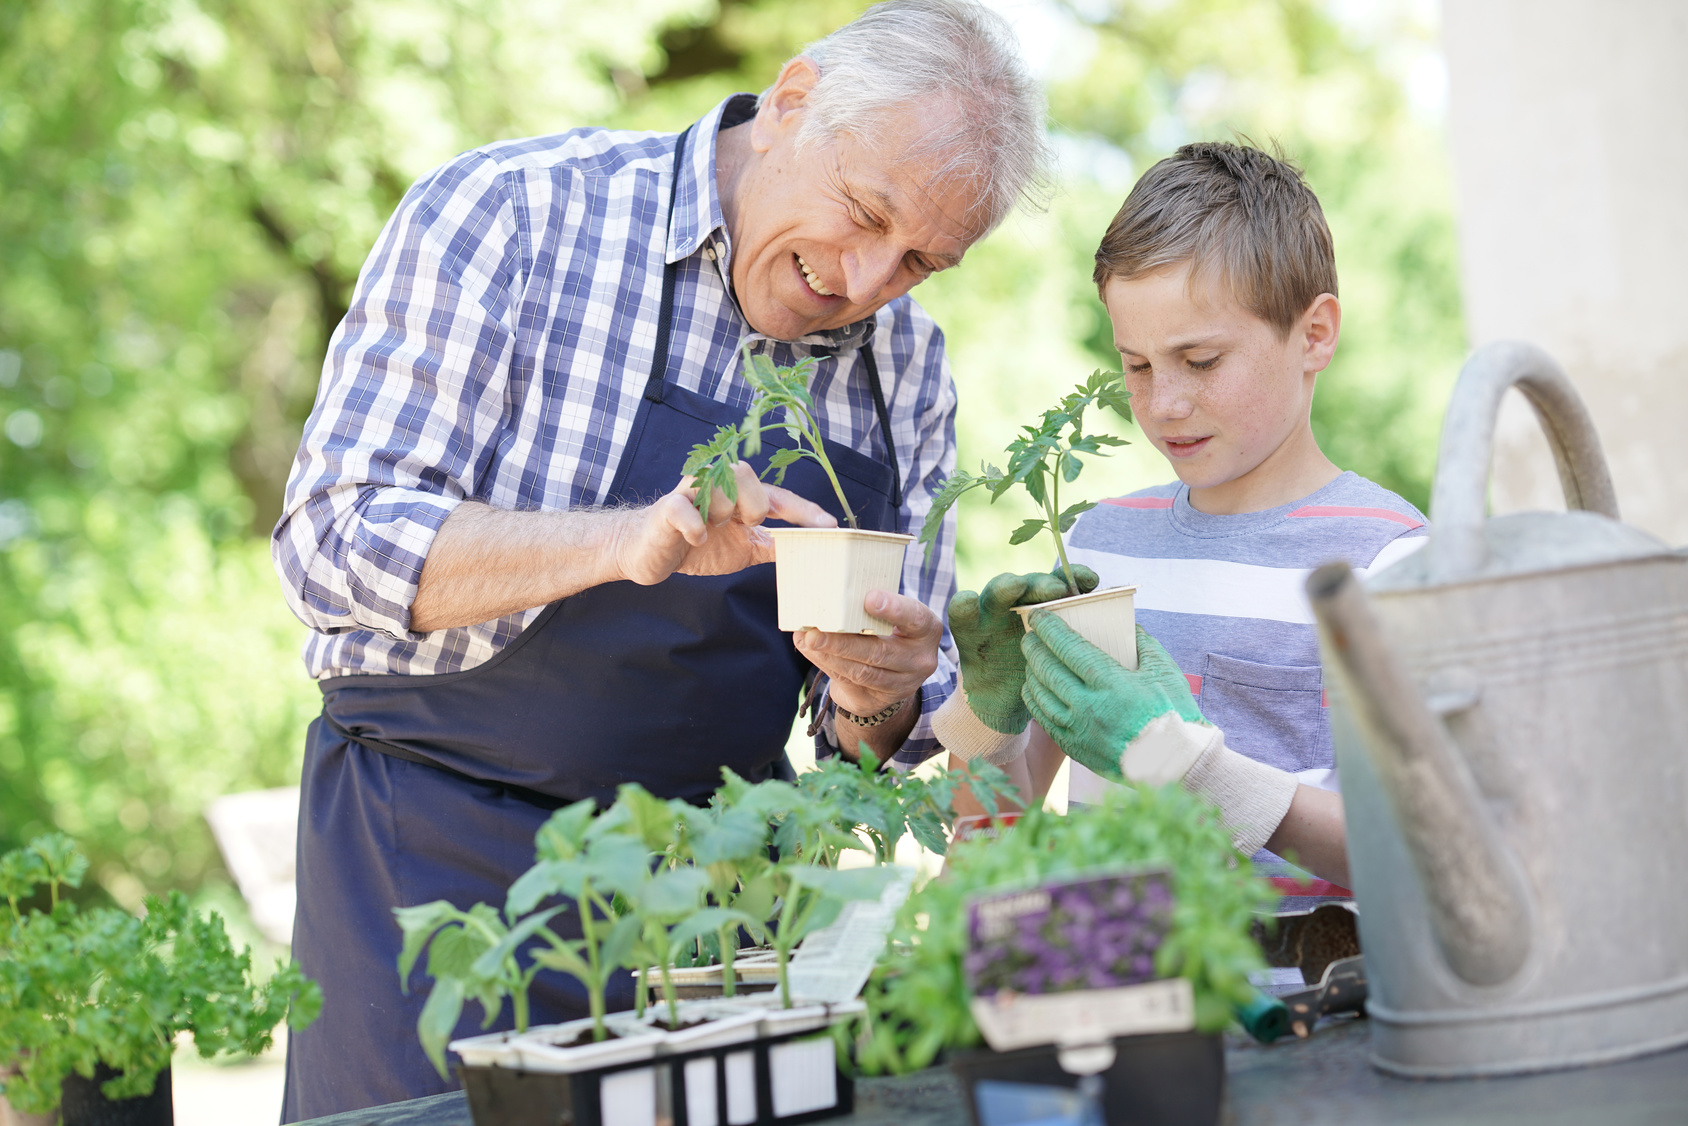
x=1041, y=460
x=650, y=878
x=822, y=575
x=98, y=996
x=920, y=1003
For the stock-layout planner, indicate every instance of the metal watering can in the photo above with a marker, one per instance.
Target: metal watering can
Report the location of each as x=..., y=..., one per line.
x=1510, y=712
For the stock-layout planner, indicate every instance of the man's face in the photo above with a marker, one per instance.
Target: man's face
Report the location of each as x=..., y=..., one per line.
x=1212, y=385
x=824, y=237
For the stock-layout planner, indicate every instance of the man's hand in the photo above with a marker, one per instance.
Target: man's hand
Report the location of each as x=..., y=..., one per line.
x=987, y=635
x=670, y=537
x=1094, y=707
x=870, y=673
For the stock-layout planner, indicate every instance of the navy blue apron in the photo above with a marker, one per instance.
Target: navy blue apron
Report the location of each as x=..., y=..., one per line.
x=418, y=788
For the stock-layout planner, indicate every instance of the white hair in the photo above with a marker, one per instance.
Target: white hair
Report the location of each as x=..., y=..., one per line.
x=958, y=64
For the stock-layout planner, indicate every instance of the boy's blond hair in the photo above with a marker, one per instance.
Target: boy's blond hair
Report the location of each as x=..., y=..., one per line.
x=1231, y=209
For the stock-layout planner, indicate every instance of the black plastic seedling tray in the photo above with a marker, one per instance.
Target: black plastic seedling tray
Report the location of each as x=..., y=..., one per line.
x=500, y=1096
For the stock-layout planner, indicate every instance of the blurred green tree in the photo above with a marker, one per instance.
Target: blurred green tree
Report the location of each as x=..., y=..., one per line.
x=189, y=187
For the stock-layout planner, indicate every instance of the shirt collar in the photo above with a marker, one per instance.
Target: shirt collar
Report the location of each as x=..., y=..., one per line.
x=698, y=219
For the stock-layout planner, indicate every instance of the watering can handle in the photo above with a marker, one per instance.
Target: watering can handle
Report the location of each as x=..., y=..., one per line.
x=1459, y=499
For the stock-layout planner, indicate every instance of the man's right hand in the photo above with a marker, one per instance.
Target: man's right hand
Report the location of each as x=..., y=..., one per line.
x=670, y=537
x=987, y=637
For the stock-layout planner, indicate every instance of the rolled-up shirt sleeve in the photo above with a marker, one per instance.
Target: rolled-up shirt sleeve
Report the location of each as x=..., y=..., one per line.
x=410, y=407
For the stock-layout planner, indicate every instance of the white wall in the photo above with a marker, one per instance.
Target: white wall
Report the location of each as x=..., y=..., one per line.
x=1569, y=126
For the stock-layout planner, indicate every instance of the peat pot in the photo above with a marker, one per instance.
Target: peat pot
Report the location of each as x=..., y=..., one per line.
x=1510, y=713
x=1161, y=1079
x=823, y=576
x=1105, y=618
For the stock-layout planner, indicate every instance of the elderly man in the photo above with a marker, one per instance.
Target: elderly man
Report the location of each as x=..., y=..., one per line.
x=514, y=605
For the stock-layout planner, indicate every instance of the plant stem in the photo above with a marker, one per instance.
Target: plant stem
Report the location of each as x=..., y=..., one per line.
x=595, y=987
x=519, y=999
x=729, y=951
x=1052, y=508
x=782, y=947
x=668, y=993
x=813, y=433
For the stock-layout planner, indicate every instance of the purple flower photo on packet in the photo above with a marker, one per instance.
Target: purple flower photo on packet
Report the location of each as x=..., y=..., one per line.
x=1097, y=932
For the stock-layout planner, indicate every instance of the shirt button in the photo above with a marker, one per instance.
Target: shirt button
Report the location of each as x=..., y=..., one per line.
x=709, y=253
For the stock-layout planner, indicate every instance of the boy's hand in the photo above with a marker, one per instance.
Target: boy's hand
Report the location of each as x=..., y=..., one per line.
x=1095, y=709
x=987, y=635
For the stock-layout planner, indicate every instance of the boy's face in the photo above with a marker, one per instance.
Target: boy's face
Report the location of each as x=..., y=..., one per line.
x=1218, y=392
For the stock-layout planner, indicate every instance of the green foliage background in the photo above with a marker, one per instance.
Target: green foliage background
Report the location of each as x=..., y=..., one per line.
x=188, y=188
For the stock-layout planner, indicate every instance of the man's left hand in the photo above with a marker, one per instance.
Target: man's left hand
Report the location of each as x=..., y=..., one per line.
x=870, y=673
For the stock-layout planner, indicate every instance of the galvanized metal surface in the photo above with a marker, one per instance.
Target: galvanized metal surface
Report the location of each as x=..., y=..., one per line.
x=1510, y=710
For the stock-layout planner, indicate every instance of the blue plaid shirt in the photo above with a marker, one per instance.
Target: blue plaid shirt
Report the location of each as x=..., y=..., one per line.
x=497, y=348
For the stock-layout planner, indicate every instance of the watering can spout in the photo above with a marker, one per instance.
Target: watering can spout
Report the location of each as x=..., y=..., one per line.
x=1480, y=910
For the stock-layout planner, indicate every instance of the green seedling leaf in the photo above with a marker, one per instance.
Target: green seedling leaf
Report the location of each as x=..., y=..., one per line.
x=739, y=834
x=502, y=956
x=1071, y=466
x=543, y=880
x=455, y=948
x=419, y=924
x=847, y=883
x=1027, y=530
x=439, y=1019
x=670, y=895
x=1073, y=512
x=619, y=943
x=567, y=958
x=705, y=923
x=564, y=833
x=618, y=863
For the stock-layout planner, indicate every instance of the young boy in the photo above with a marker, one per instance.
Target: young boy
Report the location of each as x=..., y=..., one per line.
x=1220, y=281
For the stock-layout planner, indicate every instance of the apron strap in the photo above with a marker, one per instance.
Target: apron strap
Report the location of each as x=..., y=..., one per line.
x=670, y=274
x=884, y=423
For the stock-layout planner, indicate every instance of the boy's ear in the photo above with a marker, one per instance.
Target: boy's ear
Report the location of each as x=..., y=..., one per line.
x=1320, y=326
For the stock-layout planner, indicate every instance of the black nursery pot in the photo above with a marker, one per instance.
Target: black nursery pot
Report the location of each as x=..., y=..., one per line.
x=1165, y=1079
x=82, y=1104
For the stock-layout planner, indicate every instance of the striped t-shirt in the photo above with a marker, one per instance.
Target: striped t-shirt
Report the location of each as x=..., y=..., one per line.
x=1225, y=596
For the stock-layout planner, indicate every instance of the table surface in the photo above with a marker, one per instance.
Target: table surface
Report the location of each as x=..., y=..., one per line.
x=1321, y=1081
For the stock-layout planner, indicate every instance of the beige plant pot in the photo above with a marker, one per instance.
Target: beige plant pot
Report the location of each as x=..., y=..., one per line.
x=823, y=576
x=1105, y=618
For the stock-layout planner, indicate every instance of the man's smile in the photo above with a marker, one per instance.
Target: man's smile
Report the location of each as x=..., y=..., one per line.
x=812, y=279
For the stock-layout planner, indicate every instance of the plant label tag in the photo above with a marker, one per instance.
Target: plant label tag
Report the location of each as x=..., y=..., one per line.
x=1086, y=1016
x=1074, y=958
x=833, y=964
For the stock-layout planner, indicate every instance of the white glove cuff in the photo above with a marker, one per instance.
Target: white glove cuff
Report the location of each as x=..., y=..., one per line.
x=1252, y=797
x=965, y=735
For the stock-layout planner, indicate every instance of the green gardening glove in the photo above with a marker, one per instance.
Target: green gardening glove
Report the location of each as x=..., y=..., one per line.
x=987, y=634
x=1091, y=705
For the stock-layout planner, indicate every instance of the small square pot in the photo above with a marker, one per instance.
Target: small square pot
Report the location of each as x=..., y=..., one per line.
x=823, y=576
x=1105, y=618
x=1166, y=1079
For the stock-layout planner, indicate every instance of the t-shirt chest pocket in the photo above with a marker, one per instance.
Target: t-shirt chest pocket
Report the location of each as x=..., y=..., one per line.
x=1274, y=714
